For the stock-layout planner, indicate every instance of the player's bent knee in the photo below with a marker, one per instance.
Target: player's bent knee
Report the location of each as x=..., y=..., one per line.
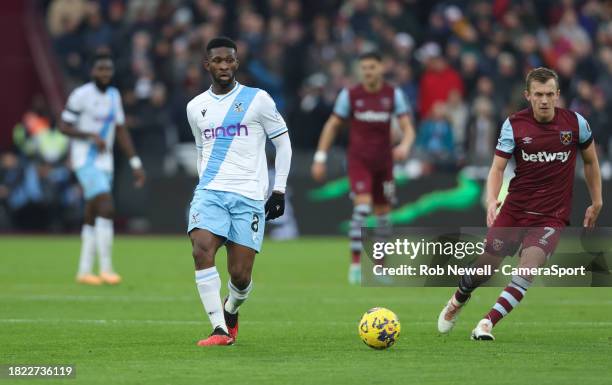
x=241, y=281
x=240, y=276
x=532, y=257
x=382, y=209
x=202, y=250
x=203, y=254
x=362, y=199
x=104, y=206
x=108, y=212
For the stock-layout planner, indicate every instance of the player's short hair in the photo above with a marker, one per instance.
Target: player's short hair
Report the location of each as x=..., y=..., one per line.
x=541, y=75
x=370, y=55
x=101, y=56
x=219, y=42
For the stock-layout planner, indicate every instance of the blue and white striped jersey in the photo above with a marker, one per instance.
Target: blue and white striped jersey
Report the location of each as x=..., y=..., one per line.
x=93, y=111
x=230, y=132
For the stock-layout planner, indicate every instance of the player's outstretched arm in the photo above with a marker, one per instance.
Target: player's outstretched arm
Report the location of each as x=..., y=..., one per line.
x=402, y=150
x=275, y=206
x=330, y=130
x=494, y=183
x=125, y=141
x=592, y=177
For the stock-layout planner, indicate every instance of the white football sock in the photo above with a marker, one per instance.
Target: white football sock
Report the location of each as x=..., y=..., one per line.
x=104, y=243
x=360, y=213
x=236, y=297
x=209, y=286
x=383, y=227
x=88, y=249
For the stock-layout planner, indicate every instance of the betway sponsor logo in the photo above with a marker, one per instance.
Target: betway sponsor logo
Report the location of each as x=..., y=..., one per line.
x=373, y=116
x=543, y=156
x=231, y=130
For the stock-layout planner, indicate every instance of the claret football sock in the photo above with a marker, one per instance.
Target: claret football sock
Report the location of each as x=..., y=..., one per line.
x=467, y=284
x=209, y=287
x=88, y=249
x=236, y=297
x=461, y=297
x=509, y=298
x=104, y=243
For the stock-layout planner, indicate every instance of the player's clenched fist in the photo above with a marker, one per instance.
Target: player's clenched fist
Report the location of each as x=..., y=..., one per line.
x=275, y=206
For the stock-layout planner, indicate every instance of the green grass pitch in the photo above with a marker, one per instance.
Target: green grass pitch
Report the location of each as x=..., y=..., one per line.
x=298, y=327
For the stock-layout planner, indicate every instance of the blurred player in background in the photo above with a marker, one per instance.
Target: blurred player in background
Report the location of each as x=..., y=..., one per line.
x=369, y=108
x=92, y=117
x=230, y=123
x=544, y=141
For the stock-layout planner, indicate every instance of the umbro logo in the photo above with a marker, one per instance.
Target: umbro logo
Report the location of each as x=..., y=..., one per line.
x=204, y=113
x=527, y=140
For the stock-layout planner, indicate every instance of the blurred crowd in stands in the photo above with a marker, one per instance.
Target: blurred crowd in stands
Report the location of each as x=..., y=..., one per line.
x=461, y=64
x=37, y=189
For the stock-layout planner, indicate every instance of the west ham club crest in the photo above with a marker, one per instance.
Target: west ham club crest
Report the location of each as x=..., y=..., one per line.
x=566, y=137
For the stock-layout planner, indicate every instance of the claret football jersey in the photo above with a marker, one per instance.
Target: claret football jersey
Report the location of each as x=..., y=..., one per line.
x=545, y=155
x=369, y=114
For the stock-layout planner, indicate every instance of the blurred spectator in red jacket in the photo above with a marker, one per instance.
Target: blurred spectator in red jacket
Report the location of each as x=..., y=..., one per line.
x=438, y=79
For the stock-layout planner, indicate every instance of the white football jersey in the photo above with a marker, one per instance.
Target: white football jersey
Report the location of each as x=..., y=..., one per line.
x=93, y=111
x=230, y=131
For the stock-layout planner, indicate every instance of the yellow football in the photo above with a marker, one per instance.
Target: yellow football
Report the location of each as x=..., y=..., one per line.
x=379, y=328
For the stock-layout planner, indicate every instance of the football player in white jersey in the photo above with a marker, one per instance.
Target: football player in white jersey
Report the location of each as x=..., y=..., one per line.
x=92, y=117
x=230, y=123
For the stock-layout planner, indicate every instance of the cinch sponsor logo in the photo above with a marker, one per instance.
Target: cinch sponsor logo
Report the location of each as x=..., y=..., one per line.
x=543, y=156
x=373, y=116
x=231, y=130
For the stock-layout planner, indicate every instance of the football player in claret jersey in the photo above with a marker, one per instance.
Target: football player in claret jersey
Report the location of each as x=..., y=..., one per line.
x=544, y=141
x=92, y=117
x=230, y=123
x=369, y=108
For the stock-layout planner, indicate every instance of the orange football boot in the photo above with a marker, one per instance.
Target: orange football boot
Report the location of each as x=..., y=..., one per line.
x=217, y=338
x=89, y=279
x=110, y=278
